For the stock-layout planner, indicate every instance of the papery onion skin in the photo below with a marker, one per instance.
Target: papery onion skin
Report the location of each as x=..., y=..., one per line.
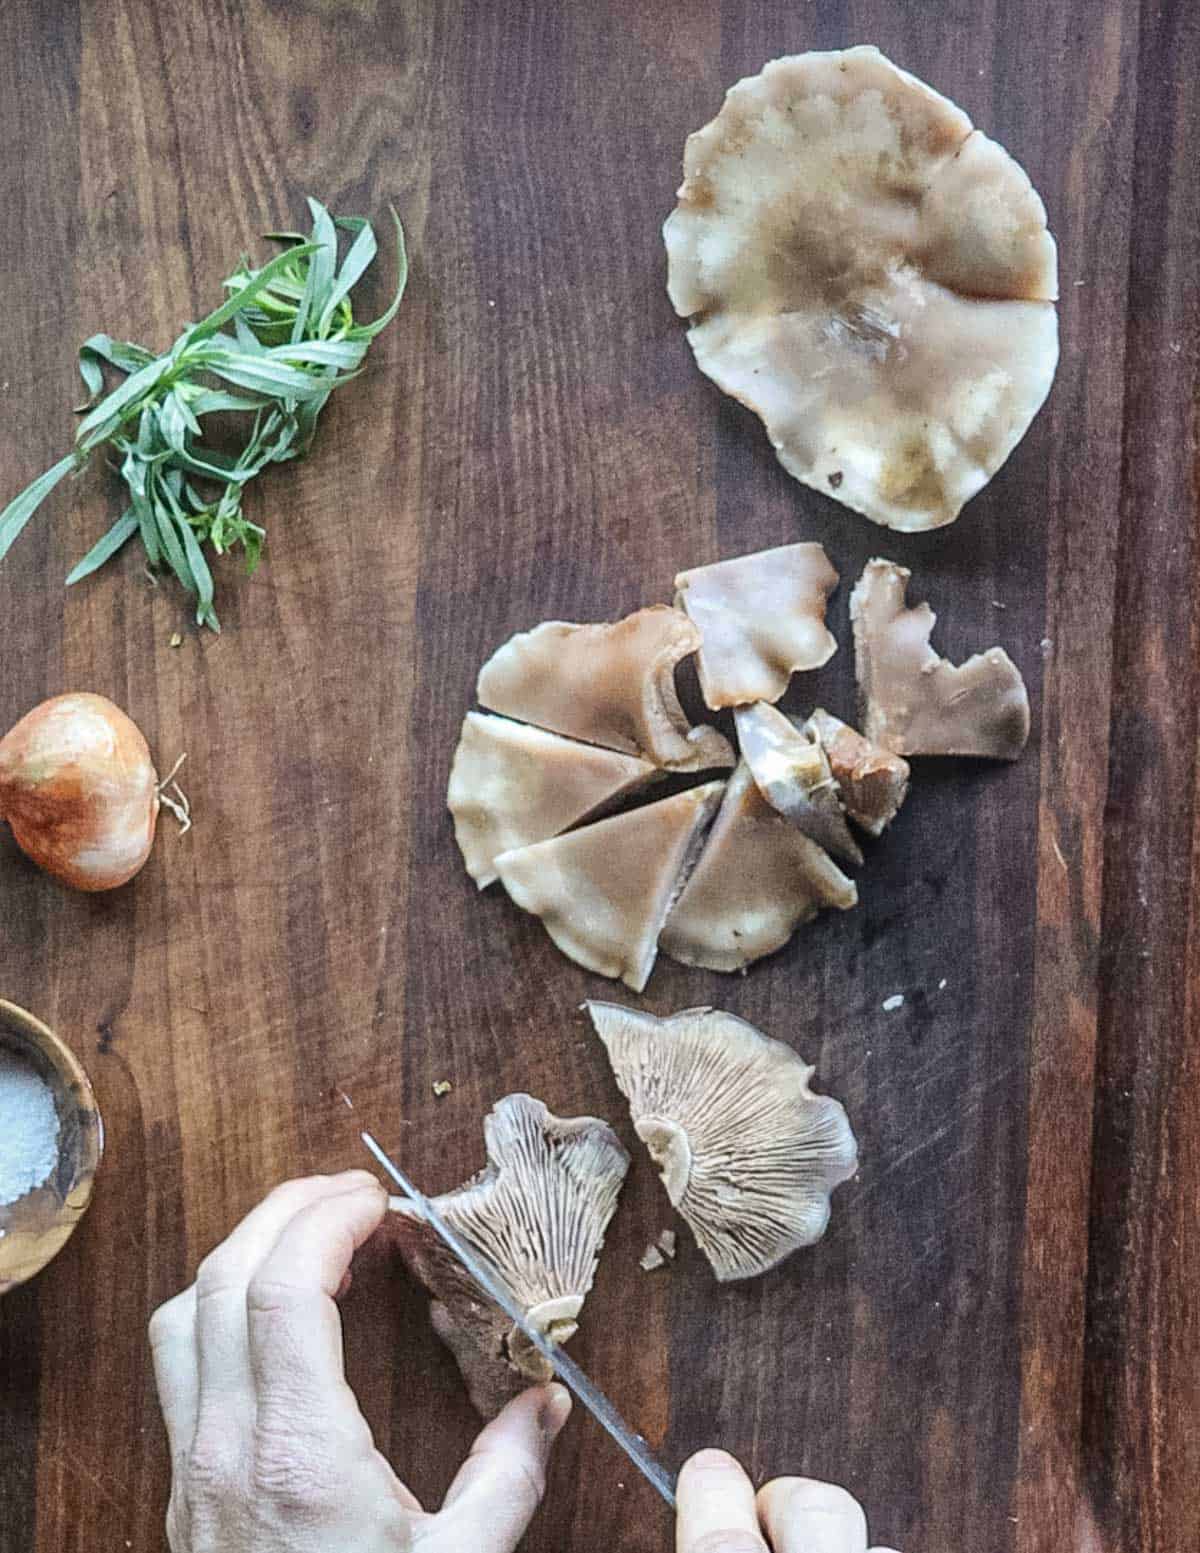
x=79, y=789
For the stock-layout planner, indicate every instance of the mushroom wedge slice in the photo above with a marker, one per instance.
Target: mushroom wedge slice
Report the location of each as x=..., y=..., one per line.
x=792, y=772
x=757, y=880
x=612, y=685
x=748, y=1154
x=872, y=276
x=603, y=892
x=872, y=782
x=761, y=618
x=917, y=703
x=537, y=1214
x=511, y=785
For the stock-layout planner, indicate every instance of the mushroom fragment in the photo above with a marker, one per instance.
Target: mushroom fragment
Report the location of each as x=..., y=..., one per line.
x=757, y=880
x=537, y=1215
x=612, y=685
x=511, y=785
x=761, y=618
x=872, y=782
x=604, y=891
x=792, y=772
x=872, y=276
x=917, y=703
x=747, y=1153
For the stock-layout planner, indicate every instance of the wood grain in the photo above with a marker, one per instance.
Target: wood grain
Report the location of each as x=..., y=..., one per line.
x=996, y=1344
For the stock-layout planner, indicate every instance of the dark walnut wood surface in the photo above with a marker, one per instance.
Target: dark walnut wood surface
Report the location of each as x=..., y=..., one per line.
x=996, y=1346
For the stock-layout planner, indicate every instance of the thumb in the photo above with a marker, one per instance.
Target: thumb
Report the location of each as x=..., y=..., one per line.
x=501, y=1483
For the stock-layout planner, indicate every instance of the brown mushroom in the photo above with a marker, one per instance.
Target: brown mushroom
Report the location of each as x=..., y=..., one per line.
x=612, y=685
x=747, y=1153
x=792, y=772
x=872, y=782
x=917, y=703
x=511, y=785
x=537, y=1215
x=761, y=618
x=604, y=891
x=872, y=276
x=757, y=880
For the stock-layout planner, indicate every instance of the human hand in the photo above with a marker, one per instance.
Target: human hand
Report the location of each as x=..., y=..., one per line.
x=269, y=1449
x=719, y=1512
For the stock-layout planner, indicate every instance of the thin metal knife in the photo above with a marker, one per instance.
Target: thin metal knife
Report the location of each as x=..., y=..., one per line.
x=566, y=1369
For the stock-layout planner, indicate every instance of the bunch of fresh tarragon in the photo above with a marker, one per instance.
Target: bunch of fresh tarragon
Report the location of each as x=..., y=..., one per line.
x=271, y=354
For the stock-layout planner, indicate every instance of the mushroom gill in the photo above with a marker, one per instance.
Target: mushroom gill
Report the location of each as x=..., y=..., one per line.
x=536, y=1214
x=749, y=1154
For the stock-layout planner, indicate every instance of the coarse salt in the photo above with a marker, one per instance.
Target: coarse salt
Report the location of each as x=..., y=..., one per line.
x=28, y=1129
x=890, y=1005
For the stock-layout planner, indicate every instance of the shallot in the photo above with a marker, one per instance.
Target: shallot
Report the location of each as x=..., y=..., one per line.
x=79, y=789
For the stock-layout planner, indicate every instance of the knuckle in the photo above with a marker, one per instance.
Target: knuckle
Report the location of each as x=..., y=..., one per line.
x=296, y=1476
x=211, y=1470
x=269, y=1297
x=216, y=1271
x=171, y=1318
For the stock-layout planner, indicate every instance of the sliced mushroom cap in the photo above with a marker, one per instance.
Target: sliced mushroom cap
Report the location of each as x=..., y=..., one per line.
x=757, y=880
x=792, y=772
x=872, y=276
x=873, y=782
x=512, y=785
x=748, y=1154
x=537, y=1214
x=761, y=618
x=612, y=685
x=917, y=703
x=604, y=891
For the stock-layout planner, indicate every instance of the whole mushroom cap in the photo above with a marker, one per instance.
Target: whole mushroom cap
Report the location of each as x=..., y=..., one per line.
x=748, y=1154
x=872, y=276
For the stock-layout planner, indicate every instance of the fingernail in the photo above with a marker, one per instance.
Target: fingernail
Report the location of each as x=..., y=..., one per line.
x=359, y=1180
x=555, y=1411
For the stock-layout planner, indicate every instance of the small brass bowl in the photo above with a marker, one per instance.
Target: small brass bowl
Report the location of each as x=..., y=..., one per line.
x=37, y=1226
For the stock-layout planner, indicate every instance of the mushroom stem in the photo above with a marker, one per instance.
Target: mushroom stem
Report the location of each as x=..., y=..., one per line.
x=670, y=1151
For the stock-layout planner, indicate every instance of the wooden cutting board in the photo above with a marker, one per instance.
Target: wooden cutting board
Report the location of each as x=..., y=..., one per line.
x=995, y=1346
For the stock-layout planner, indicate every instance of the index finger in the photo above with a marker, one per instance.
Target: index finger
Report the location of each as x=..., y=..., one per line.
x=717, y=1513
x=293, y=1325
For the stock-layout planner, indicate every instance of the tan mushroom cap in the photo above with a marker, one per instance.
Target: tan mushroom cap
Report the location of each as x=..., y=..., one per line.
x=604, y=891
x=512, y=785
x=748, y=1154
x=537, y=1214
x=872, y=276
x=758, y=879
x=917, y=703
x=612, y=685
x=873, y=782
x=761, y=618
x=792, y=772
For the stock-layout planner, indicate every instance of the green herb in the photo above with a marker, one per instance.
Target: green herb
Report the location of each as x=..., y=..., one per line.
x=293, y=341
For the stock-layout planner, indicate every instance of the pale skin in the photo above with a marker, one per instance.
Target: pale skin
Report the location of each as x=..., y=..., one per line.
x=270, y=1451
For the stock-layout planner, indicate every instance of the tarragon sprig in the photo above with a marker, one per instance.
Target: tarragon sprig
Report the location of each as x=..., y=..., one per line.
x=273, y=352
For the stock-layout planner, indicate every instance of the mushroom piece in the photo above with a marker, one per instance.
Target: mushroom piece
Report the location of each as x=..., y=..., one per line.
x=604, y=891
x=872, y=782
x=511, y=785
x=537, y=1215
x=917, y=703
x=747, y=1153
x=872, y=276
x=792, y=772
x=612, y=685
x=757, y=880
x=761, y=618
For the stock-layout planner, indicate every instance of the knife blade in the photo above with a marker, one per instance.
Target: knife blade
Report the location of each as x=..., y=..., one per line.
x=597, y=1404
